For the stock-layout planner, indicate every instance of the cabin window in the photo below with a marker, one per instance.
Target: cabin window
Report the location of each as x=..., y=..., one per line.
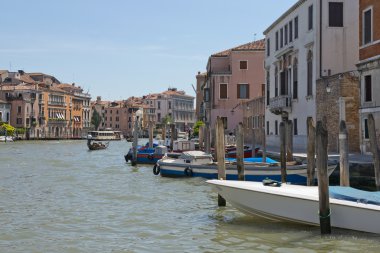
x=336, y=14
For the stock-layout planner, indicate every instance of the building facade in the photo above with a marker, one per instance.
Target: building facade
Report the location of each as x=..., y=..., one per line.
x=369, y=67
x=233, y=77
x=311, y=42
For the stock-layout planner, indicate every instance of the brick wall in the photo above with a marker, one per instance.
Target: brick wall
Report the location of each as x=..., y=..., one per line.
x=347, y=87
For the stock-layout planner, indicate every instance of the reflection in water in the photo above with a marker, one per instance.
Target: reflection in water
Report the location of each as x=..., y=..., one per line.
x=60, y=197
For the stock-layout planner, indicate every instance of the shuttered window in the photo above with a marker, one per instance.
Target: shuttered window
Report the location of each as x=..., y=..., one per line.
x=223, y=91
x=368, y=88
x=243, y=65
x=336, y=14
x=310, y=17
x=367, y=26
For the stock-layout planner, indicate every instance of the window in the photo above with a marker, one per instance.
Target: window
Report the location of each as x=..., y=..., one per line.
x=286, y=34
x=170, y=105
x=296, y=28
x=19, y=109
x=310, y=17
x=275, y=127
x=224, y=120
x=368, y=88
x=243, y=65
x=243, y=91
x=268, y=86
x=19, y=121
x=276, y=40
x=281, y=37
x=366, y=132
x=223, y=91
x=295, y=127
x=267, y=127
x=283, y=82
x=158, y=105
x=309, y=73
x=290, y=31
x=336, y=14
x=206, y=95
x=268, y=47
x=295, y=79
x=367, y=26
x=276, y=82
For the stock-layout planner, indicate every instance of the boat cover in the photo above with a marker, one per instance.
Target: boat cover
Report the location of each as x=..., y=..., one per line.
x=352, y=194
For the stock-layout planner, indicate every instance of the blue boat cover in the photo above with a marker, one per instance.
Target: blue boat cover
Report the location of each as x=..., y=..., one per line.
x=254, y=160
x=355, y=195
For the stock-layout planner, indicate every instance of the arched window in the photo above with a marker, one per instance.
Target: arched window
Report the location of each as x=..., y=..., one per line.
x=309, y=73
x=295, y=78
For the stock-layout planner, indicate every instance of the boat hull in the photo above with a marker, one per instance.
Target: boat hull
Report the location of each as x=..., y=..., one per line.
x=296, y=174
x=296, y=203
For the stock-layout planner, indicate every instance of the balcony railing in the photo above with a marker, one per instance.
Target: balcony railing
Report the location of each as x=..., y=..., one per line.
x=280, y=104
x=57, y=103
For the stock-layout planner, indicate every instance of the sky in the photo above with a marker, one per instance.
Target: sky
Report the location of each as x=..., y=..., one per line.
x=122, y=48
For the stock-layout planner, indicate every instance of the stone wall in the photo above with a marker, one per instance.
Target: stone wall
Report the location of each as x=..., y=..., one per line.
x=330, y=92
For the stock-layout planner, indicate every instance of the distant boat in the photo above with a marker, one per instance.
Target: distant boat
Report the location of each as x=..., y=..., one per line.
x=107, y=135
x=96, y=145
x=201, y=164
x=6, y=139
x=350, y=208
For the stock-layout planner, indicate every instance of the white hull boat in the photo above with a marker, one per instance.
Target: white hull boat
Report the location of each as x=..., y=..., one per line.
x=351, y=210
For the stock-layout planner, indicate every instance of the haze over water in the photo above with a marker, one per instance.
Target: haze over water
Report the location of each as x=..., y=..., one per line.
x=59, y=197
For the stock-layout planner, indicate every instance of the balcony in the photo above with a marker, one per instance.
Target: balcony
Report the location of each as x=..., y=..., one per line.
x=280, y=104
x=57, y=103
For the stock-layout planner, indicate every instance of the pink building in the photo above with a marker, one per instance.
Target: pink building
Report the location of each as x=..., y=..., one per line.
x=234, y=76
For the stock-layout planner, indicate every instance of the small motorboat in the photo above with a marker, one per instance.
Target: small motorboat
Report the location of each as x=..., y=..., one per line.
x=349, y=208
x=201, y=164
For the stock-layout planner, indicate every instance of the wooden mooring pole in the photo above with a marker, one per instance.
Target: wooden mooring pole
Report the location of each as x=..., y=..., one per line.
x=343, y=155
x=220, y=147
x=310, y=152
x=135, y=141
x=283, y=152
x=172, y=136
x=150, y=134
x=207, y=138
x=289, y=140
x=253, y=142
x=374, y=149
x=264, y=159
x=323, y=178
x=240, y=152
x=201, y=137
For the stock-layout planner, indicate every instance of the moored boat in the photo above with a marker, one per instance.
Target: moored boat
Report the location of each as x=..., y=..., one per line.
x=146, y=155
x=201, y=164
x=350, y=208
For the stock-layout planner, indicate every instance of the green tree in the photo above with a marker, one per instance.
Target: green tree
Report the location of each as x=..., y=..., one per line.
x=96, y=119
x=6, y=129
x=196, y=127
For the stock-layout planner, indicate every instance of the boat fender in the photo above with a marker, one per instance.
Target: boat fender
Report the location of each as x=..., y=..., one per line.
x=150, y=156
x=188, y=172
x=156, y=169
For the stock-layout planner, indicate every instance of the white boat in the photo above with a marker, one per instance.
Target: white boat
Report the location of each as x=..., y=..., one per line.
x=201, y=164
x=106, y=135
x=6, y=139
x=350, y=208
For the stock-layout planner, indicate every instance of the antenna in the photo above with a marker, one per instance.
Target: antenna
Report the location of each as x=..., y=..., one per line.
x=195, y=90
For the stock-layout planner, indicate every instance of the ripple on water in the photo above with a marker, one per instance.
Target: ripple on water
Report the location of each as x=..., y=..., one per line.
x=60, y=197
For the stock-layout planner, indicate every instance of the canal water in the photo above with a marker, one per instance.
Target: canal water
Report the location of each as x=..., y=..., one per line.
x=57, y=196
